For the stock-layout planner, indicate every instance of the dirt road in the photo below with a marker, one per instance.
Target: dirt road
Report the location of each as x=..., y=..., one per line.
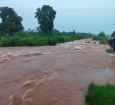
x=55, y=75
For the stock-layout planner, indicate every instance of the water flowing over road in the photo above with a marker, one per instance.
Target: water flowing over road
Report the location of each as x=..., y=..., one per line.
x=53, y=75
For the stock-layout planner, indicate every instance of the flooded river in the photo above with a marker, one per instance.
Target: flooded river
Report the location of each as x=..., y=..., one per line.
x=52, y=75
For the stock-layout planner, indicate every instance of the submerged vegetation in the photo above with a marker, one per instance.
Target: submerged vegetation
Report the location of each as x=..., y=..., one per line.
x=100, y=94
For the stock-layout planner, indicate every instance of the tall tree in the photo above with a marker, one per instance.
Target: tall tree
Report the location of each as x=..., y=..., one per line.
x=56, y=32
x=113, y=34
x=74, y=32
x=101, y=34
x=45, y=17
x=10, y=21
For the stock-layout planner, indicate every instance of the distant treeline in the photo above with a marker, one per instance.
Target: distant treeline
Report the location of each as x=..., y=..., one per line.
x=12, y=31
x=11, y=23
x=57, y=32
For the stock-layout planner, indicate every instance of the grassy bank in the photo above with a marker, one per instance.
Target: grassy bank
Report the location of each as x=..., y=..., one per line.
x=109, y=51
x=28, y=39
x=103, y=40
x=24, y=39
x=100, y=94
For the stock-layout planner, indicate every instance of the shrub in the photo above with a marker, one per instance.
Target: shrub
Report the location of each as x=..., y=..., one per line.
x=41, y=41
x=103, y=40
x=11, y=41
x=21, y=34
x=4, y=42
x=29, y=41
x=15, y=41
x=109, y=51
x=113, y=34
x=52, y=41
x=101, y=34
x=96, y=38
x=100, y=94
x=59, y=39
x=24, y=39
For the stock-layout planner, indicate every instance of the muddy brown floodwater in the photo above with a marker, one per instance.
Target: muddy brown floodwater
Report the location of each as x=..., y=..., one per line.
x=52, y=75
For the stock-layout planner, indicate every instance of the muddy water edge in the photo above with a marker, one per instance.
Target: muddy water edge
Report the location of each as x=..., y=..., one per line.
x=56, y=76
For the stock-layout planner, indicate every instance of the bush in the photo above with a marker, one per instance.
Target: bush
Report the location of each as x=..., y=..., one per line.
x=113, y=34
x=4, y=42
x=11, y=41
x=52, y=41
x=15, y=41
x=24, y=39
x=41, y=41
x=100, y=94
x=101, y=34
x=59, y=39
x=21, y=34
x=109, y=51
x=29, y=41
x=103, y=40
x=96, y=38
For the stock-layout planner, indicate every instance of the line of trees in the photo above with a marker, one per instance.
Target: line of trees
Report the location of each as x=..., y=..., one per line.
x=11, y=22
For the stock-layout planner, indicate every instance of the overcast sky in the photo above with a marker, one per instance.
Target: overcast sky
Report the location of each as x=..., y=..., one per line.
x=80, y=15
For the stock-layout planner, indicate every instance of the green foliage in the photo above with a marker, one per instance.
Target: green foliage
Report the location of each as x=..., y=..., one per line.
x=113, y=34
x=56, y=32
x=24, y=39
x=59, y=39
x=103, y=40
x=45, y=17
x=32, y=32
x=29, y=41
x=101, y=34
x=21, y=34
x=100, y=94
x=11, y=22
x=52, y=41
x=74, y=32
x=11, y=41
x=15, y=41
x=4, y=42
x=96, y=38
x=109, y=51
x=41, y=40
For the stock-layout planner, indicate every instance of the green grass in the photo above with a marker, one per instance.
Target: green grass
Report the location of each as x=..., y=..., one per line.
x=24, y=39
x=103, y=40
x=109, y=51
x=100, y=94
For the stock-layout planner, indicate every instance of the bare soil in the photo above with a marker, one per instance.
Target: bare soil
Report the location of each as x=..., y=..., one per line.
x=54, y=75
